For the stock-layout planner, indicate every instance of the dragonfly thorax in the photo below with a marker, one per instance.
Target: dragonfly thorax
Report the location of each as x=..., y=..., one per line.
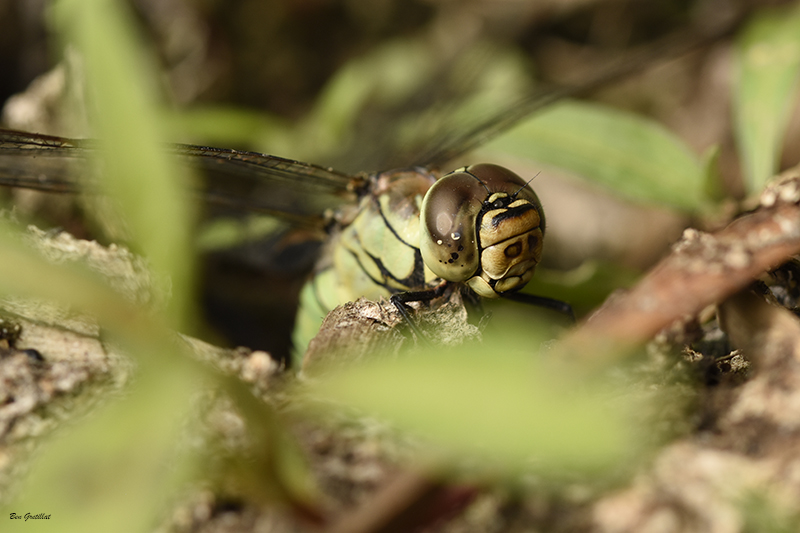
x=483, y=226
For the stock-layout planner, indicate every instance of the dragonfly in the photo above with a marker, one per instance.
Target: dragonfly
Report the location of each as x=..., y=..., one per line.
x=409, y=234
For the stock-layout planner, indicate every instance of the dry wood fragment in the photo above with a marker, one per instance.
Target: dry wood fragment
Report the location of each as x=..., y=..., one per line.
x=703, y=269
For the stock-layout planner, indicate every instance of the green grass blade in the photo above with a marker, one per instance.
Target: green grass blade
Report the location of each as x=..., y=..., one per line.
x=113, y=472
x=768, y=58
x=134, y=168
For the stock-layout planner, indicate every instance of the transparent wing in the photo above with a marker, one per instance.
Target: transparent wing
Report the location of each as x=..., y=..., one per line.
x=258, y=182
x=232, y=179
x=39, y=162
x=467, y=131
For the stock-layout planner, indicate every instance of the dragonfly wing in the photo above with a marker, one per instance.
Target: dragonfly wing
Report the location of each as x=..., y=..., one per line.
x=233, y=179
x=500, y=116
x=40, y=162
x=274, y=185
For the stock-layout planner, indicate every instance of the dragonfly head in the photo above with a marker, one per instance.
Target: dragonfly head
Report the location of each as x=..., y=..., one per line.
x=482, y=225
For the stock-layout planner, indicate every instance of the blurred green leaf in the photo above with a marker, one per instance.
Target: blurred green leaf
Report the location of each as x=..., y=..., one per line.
x=493, y=403
x=231, y=127
x=222, y=233
x=714, y=187
x=110, y=473
x=768, y=56
x=388, y=74
x=419, y=96
x=635, y=157
x=272, y=468
x=115, y=471
x=584, y=287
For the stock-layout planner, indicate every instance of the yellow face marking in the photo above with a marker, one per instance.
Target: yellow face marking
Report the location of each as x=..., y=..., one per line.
x=495, y=227
x=513, y=256
x=513, y=250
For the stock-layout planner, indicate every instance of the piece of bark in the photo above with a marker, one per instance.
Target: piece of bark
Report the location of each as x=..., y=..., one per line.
x=359, y=330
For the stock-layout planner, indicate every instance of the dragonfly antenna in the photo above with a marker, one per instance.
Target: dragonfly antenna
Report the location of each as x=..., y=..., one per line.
x=526, y=184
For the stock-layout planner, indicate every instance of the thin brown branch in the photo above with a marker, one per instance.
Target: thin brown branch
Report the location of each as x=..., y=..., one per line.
x=702, y=270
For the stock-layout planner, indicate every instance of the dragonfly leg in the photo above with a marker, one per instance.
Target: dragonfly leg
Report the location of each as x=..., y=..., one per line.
x=474, y=305
x=542, y=301
x=402, y=299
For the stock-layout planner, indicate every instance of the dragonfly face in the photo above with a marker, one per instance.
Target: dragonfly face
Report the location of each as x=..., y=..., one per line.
x=484, y=226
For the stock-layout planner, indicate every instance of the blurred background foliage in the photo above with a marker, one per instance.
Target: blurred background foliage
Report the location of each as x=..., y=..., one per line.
x=365, y=86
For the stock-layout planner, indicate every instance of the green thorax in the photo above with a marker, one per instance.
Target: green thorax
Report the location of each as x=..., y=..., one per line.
x=373, y=251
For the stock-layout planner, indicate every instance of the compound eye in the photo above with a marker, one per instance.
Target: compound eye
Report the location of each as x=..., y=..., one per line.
x=449, y=212
x=500, y=179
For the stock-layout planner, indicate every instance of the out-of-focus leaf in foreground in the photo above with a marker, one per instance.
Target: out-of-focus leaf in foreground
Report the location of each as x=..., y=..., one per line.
x=113, y=472
x=110, y=473
x=118, y=469
x=631, y=155
x=496, y=403
x=135, y=170
x=767, y=87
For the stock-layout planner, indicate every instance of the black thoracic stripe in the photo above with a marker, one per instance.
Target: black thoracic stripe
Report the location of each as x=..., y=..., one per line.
x=388, y=225
x=416, y=279
x=364, y=270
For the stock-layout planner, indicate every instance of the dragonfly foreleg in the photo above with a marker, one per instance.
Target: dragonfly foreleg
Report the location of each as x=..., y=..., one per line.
x=542, y=301
x=401, y=300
